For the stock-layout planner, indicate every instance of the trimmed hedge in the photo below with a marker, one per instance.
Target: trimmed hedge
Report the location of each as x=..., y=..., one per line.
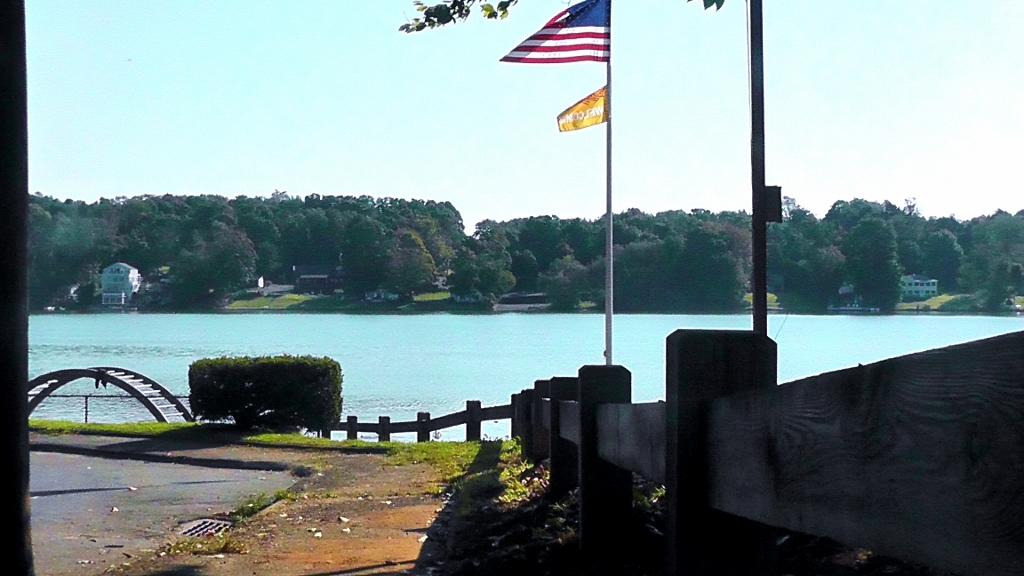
x=267, y=391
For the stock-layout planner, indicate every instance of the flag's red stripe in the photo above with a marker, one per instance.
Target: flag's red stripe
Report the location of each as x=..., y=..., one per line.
x=555, y=20
x=568, y=35
x=569, y=48
x=529, y=60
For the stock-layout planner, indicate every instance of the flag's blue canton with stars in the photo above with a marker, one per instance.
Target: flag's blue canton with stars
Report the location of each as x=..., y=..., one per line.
x=580, y=33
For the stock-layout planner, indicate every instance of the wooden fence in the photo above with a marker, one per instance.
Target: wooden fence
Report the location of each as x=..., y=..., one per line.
x=919, y=457
x=423, y=425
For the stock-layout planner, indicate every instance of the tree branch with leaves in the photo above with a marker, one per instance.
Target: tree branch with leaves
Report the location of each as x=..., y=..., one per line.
x=454, y=11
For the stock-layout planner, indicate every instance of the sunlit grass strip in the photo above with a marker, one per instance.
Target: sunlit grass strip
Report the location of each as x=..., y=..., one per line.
x=266, y=302
x=431, y=297
x=773, y=300
x=58, y=427
x=933, y=303
x=448, y=459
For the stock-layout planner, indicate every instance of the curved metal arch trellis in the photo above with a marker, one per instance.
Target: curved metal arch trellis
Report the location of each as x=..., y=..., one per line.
x=160, y=402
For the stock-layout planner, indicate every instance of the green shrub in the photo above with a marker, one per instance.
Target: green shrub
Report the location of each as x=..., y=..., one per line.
x=267, y=391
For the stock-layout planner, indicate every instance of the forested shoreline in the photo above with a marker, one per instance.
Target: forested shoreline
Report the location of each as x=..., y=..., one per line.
x=202, y=251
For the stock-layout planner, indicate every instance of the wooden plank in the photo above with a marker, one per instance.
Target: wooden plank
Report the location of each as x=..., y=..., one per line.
x=370, y=427
x=632, y=436
x=919, y=457
x=449, y=420
x=408, y=426
x=569, y=427
x=541, y=391
x=564, y=455
x=502, y=412
x=606, y=491
x=545, y=413
x=701, y=366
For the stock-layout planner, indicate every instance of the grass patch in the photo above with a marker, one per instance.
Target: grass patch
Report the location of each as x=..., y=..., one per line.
x=59, y=427
x=269, y=302
x=431, y=297
x=255, y=503
x=748, y=299
x=933, y=303
x=449, y=459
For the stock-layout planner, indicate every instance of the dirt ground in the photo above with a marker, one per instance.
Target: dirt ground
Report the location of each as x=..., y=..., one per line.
x=352, y=515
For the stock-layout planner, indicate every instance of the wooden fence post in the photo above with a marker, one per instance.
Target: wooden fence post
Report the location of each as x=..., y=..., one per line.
x=702, y=365
x=526, y=422
x=514, y=428
x=606, y=491
x=472, y=420
x=384, y=428
x=423, y=426
x=352, y=427
x=541, y=389
x=563, y=454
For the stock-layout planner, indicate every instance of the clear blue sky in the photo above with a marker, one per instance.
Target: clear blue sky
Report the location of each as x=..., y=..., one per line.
x=871, y=99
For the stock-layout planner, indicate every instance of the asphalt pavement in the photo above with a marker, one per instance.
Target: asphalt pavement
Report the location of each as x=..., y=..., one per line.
x=89, y=513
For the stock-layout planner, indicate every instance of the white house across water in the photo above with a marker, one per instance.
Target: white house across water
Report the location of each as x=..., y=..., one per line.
x=917, y=287
x=119, y=283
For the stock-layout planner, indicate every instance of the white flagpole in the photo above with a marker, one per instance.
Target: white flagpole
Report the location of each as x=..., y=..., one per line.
x=609, y=286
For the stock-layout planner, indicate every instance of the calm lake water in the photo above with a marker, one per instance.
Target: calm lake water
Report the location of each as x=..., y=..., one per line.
x=398, y=365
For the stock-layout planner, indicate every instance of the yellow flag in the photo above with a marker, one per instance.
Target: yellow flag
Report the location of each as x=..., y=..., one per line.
x=586, y=112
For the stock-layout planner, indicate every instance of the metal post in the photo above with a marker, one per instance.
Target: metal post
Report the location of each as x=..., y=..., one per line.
x=759, y=225
x=16, y=548
x=609, y=280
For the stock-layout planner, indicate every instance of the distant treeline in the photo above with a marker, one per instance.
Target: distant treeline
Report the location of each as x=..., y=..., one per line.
x=208, y=247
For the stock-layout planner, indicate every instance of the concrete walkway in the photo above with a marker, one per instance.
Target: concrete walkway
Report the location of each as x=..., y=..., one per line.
x=100, y=501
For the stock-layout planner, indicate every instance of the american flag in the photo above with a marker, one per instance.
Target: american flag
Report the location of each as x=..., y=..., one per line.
x=580, y=33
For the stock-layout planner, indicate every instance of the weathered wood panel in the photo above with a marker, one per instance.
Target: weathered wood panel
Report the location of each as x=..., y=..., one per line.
x=407, y=426
x=449, y=420
x=919, y=457
x=541, y=391
x=632, y=436
x=565, y=464
x=569, y=416
x=496, y=412
x=545, y=413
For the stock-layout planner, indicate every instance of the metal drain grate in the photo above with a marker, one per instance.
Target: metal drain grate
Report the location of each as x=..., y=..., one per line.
x=204, y=527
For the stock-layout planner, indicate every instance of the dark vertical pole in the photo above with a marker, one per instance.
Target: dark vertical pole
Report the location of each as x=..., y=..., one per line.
x=514, y=427
x=759, y=223
x=16, y=547
x=526, y=422
x=352, y=427
x=384, y=428
x=541, y=390
x=473, y=420
x=606, y=491
x=702, y=365
x=563, y=453
x=423, y=426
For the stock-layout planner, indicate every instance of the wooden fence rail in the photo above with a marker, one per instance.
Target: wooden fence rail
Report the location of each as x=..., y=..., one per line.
x=471, y=418
x=920, y=457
